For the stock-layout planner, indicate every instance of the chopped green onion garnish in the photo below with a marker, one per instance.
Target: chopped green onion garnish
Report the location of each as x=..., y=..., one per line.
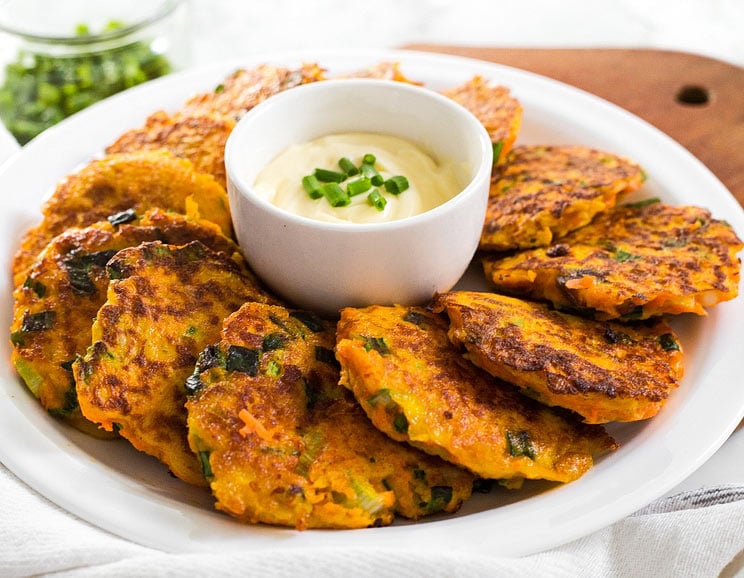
x=369, y=159
x=326, y=176
x=336, y=196
x=498, y=146
x=376, y=200
x=371, y=173
x=359, y=186
x=396, y=185
x=348, y=167
x=312, y=186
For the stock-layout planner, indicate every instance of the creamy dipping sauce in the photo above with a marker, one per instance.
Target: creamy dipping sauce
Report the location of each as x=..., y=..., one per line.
x=431, y=183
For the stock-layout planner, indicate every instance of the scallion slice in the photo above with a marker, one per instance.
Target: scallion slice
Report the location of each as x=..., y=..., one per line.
x=326, y=176
x=396, y=185
x=312, y=186
x=498, y=146
x=348, y=167
x=372, y=174
x=369, y=159
x=376, y=200
x=336, y=196
x=359, y=186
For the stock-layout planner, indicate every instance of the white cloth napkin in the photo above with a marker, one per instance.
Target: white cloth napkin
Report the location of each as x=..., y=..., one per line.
x=677, y=536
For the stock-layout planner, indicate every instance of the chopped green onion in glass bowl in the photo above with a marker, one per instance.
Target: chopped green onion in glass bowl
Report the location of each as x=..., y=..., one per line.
x=65, y=56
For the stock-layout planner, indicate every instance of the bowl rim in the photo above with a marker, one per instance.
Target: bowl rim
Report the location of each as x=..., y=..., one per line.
x=163, y=10
x=237, y=183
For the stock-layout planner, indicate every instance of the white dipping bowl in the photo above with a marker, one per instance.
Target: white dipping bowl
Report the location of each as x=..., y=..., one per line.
x=325, y=266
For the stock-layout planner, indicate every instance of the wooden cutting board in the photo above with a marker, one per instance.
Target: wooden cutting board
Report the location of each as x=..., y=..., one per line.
x=698, y=101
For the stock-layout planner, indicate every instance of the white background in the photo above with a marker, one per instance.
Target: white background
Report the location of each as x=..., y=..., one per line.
x=231, y=28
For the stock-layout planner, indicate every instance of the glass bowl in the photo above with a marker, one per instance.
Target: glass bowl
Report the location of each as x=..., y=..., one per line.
x=64, y=56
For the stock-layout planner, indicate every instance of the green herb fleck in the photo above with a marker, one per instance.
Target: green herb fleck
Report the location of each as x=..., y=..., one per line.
x=642, y=203
x=376, y=200
x=498, y=146
x=335, y=195
x=381, y=396
x=206, y=466
x=312, y=186
x=38, y=321
x=668, y=342
x=328, y=176
x=36, y=286
x=274, y=368
x=396, y=185
x=349, y=168
x=520, y=444
x=400, y=423
x=79, y=266
x=69, y=404
x=622, y=256
x=274, y=341
x=312, y=445
x=615, y=337
x=376, y=344
x=440, y=497
x=242, y=360
x=358, y=186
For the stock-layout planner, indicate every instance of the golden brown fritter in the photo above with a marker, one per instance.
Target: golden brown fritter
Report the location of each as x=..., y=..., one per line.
x=498, y=111
x=283, y=443
x=245, y=88
x=164, y=305
x=199, y=139
x=603, y=371
x=55, y=306
x=140, y=181
x=634, y=262
x=385, y=70
x=417, y=387
x=544, y=192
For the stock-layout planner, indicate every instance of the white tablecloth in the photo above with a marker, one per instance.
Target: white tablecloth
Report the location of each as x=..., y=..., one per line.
x=697, y=534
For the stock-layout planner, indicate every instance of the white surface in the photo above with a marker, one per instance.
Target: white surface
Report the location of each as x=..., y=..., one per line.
x=126, y=493
x=343, y=264
x=234, y=28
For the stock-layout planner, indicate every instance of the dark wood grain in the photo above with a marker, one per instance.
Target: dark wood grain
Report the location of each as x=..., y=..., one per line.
x=654, y=85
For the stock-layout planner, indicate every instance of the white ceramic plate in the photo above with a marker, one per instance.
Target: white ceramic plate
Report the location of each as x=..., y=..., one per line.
x=113, y=486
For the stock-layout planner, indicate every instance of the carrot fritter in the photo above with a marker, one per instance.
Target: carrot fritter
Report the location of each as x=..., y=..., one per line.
x=283, y=443
x=199, y=139
x=544, y=192
x=634, y=262
x=55, y=306
x=245, y=88
x=384, y=70
x=140, y=181
x=603, y=371
x=498, y=111
x=165, y=304
x=415, y=386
